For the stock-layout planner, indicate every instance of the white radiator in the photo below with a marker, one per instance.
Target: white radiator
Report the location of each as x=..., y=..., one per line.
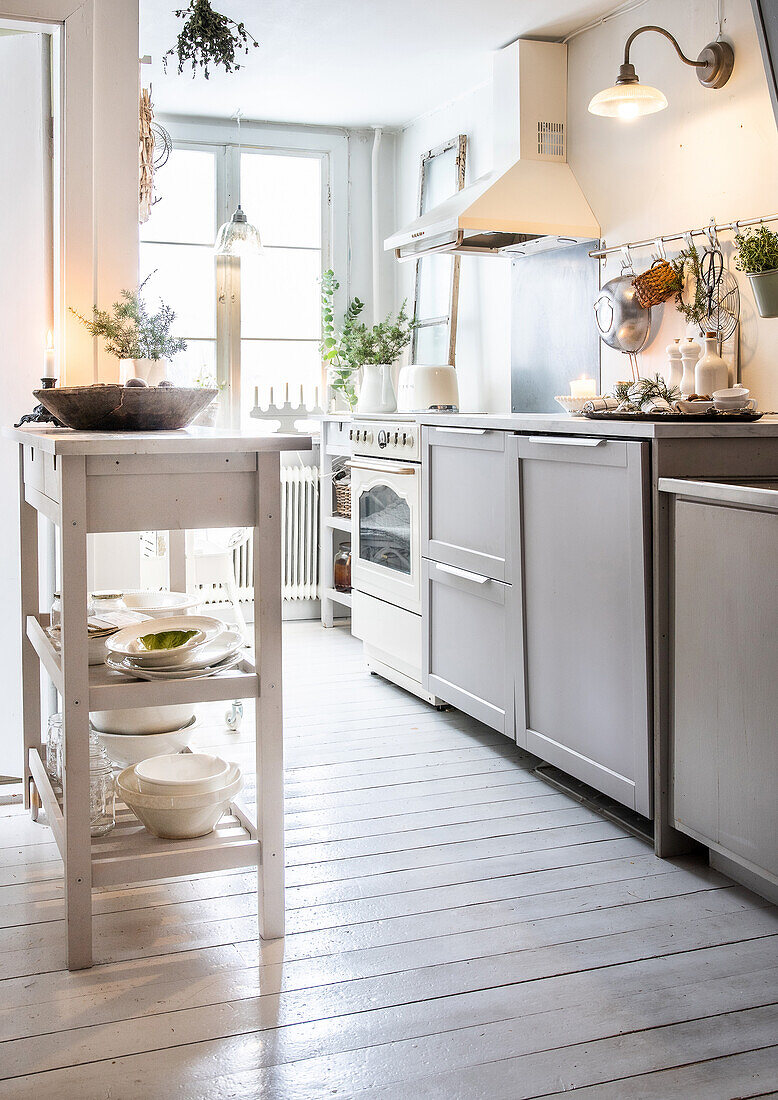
x=299, y=538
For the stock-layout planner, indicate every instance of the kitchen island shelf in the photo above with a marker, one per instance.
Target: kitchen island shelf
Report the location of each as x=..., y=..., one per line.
x=109, y=690
x=92, y=482
x=129, y=853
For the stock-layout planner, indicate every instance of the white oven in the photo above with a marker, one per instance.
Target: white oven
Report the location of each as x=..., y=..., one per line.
x=386, y=515
x=386, y=548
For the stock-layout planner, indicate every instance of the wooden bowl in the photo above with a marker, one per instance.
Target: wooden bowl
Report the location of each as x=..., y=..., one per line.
x=115, y=408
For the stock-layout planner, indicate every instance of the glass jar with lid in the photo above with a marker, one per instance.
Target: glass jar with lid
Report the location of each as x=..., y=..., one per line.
x=341, y=568
x=56, y=608
x=106, y=601
x=102, y=791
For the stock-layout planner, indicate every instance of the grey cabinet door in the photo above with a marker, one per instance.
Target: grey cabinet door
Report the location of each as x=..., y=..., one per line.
x=468, y=491
x=467, y=652
x=724, y=662
x=582, y=695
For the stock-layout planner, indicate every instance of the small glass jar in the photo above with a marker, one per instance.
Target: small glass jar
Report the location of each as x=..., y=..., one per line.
x=54, y=751
x=102, y=792
x=56, y=608
x=106, y=601
x=341, y=568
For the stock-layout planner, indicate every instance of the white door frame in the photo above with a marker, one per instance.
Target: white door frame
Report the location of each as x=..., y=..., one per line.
x=95, y=196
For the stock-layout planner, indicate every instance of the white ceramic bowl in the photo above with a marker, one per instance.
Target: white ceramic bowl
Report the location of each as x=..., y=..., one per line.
x=143, y=720
x=125, y=750
x=178, y=817
x=190, y=773
x=126, y=642
x=694, y=408
x=160, y=605
x=572, y=405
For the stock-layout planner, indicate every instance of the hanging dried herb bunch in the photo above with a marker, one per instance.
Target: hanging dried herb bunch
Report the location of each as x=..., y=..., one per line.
x=208, y=38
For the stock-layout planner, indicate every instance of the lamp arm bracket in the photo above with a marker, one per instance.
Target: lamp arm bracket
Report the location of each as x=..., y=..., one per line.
x=660, y=30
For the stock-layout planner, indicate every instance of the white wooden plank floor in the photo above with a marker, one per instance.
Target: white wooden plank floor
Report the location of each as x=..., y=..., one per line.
x=456, y=929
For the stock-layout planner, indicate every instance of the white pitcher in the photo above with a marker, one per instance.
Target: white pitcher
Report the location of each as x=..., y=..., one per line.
x=376, y=394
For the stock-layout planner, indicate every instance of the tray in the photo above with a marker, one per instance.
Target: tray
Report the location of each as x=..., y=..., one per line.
x=662, y=418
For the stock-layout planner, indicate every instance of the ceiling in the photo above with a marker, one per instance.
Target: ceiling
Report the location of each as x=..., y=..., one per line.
x=351, y=62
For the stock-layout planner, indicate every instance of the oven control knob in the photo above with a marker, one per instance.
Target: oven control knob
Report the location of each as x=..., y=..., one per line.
x=396, y=438
x=368, y=437
x=351, y=433
x=410, y=440
x=383, y=439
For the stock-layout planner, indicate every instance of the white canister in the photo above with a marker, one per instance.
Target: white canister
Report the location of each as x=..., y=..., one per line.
x=690, y=353
x=674, y=364
x=711, y=372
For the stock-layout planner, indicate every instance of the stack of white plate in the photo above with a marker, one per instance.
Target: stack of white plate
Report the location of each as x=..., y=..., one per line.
x=180, y=796
x=206, y=648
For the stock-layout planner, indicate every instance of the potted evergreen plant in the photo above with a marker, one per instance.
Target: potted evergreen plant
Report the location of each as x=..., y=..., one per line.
x=757, y=256
x=140, y=340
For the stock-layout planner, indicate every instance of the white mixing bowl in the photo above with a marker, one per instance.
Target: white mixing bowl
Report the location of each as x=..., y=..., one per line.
x=178, y=817
x=134, y=720
x=188, y=774
x=125, y=750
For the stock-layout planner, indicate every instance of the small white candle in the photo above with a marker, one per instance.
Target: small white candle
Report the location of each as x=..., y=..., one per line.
x=256, y=397
x=286, y=393
x=48, y=356
x=583, y=387
x=271, y=395
x=315, y=397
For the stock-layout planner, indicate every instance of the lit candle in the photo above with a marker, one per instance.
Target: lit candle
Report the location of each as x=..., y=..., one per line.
x=583, y=387
x=48, y=356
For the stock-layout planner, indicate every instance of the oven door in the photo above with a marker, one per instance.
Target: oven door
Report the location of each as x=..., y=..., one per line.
x=386, y=546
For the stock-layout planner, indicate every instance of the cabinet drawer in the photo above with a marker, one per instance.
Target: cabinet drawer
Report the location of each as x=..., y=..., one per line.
x=583, y=695
x=468, y=498
x=338, y=432
x=466, y=656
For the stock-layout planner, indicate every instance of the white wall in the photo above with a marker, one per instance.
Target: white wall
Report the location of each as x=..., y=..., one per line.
x=710, y=153
x=23, y=295
x=483, y=333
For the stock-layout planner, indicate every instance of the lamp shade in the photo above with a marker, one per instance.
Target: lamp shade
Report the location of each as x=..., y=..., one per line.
x=238, y=237
x=628, y=101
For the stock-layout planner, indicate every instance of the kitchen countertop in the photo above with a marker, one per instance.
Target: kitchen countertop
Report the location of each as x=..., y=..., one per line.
x=751, y=493
x=641, y=429
x=63, y=441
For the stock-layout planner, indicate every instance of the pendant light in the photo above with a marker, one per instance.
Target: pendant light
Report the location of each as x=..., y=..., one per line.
x=628, y=98
x=238, y=237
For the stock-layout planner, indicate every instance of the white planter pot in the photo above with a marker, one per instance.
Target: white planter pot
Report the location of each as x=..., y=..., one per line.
x=376, y=394
x=152, y=371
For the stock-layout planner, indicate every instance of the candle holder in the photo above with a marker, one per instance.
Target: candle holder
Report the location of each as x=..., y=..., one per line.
x=39, y=415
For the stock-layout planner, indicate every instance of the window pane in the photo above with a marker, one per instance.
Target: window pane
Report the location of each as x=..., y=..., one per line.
x=186, y=190
x=432, y=345
x=266, y=363
x=195, y=366
x=434, y=287
x=282, y=198
x=185, y=280
x=280, y=295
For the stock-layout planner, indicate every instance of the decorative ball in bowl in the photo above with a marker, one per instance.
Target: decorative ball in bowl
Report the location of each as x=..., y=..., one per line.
x=114, y=408
x=572, y=405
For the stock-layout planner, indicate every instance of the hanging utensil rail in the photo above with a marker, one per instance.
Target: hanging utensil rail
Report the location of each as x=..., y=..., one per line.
x=652, y=242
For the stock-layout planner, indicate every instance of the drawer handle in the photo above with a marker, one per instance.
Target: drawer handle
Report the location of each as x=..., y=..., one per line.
x=567, y=441
x=462, y=431
x=465, y=574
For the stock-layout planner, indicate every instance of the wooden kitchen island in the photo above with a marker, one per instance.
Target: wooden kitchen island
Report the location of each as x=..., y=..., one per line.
x=94, y=482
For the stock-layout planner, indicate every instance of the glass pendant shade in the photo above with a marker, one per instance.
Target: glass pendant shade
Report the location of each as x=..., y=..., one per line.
x=628, y=101
x=238, y=237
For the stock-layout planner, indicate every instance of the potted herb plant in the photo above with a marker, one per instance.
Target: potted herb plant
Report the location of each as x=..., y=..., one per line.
x=140, y=340
x=357, y=347
x=757, y=256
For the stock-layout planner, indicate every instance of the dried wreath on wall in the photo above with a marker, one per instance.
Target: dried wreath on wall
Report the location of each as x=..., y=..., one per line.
x=208, y=38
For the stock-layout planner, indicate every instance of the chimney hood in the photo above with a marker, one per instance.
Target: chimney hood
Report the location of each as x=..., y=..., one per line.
x=530, y=201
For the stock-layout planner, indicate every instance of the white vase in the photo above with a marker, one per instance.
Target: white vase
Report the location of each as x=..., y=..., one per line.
x=690, y=353
x=152, y=371
x=711, y=372
x=376, y=394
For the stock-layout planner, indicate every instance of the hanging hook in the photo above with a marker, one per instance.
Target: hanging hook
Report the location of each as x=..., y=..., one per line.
x=659, y=245
x=710, y=232
x=626, y=259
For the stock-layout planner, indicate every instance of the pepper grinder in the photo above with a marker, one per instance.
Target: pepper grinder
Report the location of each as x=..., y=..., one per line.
x=674, y=364
x=690, y=353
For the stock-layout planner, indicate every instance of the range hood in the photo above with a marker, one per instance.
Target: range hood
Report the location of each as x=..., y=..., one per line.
x=531, y=201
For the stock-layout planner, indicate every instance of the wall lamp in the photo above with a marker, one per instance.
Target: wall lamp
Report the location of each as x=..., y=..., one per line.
x=628, y=98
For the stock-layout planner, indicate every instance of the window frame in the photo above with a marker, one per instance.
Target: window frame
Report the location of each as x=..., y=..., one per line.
x=331, y=148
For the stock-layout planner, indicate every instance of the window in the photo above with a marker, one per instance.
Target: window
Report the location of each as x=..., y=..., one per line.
x=278, y=310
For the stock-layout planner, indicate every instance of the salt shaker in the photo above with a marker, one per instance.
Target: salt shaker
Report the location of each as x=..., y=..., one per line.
x=674, y=364
x=690, y=353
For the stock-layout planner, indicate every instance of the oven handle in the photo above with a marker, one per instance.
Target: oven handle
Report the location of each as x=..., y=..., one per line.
x=384, y=466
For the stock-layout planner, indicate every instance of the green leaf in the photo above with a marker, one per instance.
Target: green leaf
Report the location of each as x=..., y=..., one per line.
x=166, y=639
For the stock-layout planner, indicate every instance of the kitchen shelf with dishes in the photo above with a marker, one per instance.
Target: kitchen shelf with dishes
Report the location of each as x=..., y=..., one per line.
x=335, y=505
x=115, y=679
